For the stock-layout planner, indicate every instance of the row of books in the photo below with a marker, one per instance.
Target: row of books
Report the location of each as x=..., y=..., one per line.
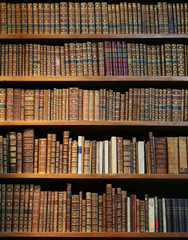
x=23, y=153
x=26, y=208
x=91, y=18
x=108, y=58
x=74, y=104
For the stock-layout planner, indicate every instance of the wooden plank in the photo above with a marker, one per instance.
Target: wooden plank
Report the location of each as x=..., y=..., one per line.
x=95, y=123
x=93, y=176
x=94, y=36
x=93, y=79
x=97, y=235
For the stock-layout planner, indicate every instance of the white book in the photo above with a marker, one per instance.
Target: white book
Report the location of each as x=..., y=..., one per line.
x=106, y=156
x=141, y=157
x=151, y=215
x=164, y=214
x=114, y=155
x=80, y=154
x=100, y=157
x=128, y=214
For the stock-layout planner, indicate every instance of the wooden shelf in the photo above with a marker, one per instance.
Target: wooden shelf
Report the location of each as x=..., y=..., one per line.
x=93, y=176
x=97, y=235
x=93, y=79
x=95, y=123
x=94, y=36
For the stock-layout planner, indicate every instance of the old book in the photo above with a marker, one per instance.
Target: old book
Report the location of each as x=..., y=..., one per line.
x=42, y=155
x=71, y=19
x=68, y=209
x=173, y=158
x=104, y=17
x=8, y=207
x=126, y=156
x=29, y=18
x=21, y=207
x=91, y=18
x=88, y=212
x=182, y=146
x=30, y=207
x=160, y=155
x=84, y=17
x=151, y=215
x=109, y=208
x=26, y=208
x=100, y=214
x=28, y=150
x=142, y=215
x=2, y=103
x=94, y=212
x=176, y=98
x=63, y=18
x=9, y=104
x=75, y=213
x=41, y=207
x=12, y=151
x=141, y=157
x=36, y=207
x=98, y=20
x=19, y=152
x=29, y=105
x=152, y=152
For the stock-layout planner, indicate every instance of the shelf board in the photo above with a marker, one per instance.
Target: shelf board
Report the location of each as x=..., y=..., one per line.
x=95, y=123
x=93, y=79
x=93, y=176
x=94, y=36
x=96, y=235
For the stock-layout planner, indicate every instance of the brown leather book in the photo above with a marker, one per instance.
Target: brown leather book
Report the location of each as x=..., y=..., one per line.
x=75, y=212
x=173, y=158
x=73, y=104
x=30, y=208
x=160, y=155
x=68, y=207
x=42, y=155
x=28, y=150
x=12, y=151
x=36, y=208
x=88, y=212
x=21, y=207
x=8, y=207
x=9, y=104
x=109, y=208
x=19, y=155
x=100, y=216
x=94, y=212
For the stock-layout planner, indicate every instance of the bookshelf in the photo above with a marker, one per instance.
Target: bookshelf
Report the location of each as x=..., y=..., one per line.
x=104, y=126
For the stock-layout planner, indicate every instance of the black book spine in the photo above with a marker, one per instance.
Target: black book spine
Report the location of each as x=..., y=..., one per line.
x=168, y=215
x=181, y=215
x=186, y=214
x=174, y=215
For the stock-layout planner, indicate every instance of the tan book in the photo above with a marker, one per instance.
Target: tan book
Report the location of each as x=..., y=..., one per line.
x=42, y=155
x=173, y=157
x=182, y=155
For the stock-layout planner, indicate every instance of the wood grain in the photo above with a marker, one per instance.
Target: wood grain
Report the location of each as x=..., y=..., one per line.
x=98, y=235
x=95, y=123
x=88, y=79
x=93, y=176
x=94, y=36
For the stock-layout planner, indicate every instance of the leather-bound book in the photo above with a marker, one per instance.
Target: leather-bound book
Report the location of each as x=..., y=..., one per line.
x=75, y=213
x=28, y=150
x=104, y=17
x=173, y=157
x=68, y=209
x=36, y=208
x=42, y=155
x=2, y=103
x=91, y=17
x=88, y=212
x=21, y=207
x=183, y=155
x=109, y=208
x=12, y=151
x=26, y=208
x=84, y=17
x=8, y=208
x=98, y=13
x=161, y=155
x=73, y=104
x=94, y=212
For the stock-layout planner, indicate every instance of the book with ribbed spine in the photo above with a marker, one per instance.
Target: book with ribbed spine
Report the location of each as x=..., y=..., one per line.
x=172, y=147
x=28, y=150
x=104, y=17
x=84, y=17
x=75, y=213
x=77, y=18
x=98, y=19
x=182, y=147
x=63, y=18
x=114, y=17
x=71, y=17
x=91, y=18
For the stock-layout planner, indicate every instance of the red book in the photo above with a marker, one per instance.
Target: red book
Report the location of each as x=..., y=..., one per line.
x=108, y=58
x=124, y=58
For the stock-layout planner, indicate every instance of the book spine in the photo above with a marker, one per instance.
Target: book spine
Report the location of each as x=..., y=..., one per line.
x=28, y=150
x=84, y=17
x=98, y=19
